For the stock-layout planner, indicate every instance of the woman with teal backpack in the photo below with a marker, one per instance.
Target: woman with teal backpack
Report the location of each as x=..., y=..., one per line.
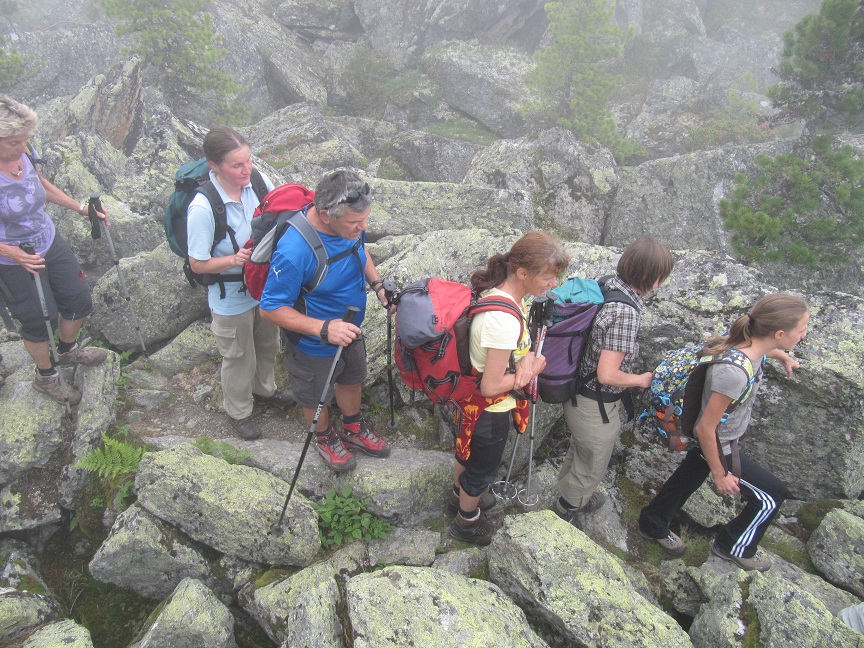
x=605, y=374
x=774, y=326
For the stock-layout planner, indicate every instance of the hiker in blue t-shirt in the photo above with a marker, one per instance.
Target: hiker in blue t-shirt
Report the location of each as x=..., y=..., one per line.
x=313, y=322
x=248, y=344
x=24, y=221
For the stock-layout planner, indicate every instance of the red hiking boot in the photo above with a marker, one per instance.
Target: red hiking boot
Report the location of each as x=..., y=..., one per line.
x=359, y=436
x=334, y=453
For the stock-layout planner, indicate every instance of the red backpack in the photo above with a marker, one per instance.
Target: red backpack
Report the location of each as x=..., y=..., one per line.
x=281, y=208
x=433, y=321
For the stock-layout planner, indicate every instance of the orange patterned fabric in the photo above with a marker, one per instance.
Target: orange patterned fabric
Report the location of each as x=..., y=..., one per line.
x=470, y=410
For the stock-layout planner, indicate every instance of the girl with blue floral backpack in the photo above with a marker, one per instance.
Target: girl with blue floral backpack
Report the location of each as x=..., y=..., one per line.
x=774, y=326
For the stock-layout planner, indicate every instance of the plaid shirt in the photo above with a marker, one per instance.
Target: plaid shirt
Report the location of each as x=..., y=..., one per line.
x=615, y=328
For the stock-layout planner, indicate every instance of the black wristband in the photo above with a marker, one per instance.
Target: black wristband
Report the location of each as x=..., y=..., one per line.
x=323, y=334
x=376, y=285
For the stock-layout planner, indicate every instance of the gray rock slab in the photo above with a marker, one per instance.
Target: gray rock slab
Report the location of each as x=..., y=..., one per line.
x=192, y=617
x=60, y=634
x=230, y=508
x=302, y=609
x=194, y=345
x=574, y=586
x=835, y=548
x=405, y=547
x=456, y=611
x=146, y=555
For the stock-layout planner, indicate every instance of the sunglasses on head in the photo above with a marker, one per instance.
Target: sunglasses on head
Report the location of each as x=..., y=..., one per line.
x=353, y=196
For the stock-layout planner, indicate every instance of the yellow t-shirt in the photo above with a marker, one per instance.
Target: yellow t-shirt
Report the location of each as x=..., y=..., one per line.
x=498, y=330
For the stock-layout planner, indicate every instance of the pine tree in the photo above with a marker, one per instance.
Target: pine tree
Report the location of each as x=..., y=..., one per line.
x=823, y=65
x=571, y=81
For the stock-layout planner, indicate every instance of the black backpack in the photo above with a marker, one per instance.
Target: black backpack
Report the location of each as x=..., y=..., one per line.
x=193, y=178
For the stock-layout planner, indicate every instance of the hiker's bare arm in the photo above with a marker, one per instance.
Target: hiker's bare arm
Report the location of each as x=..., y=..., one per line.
x=497, y=381
x=609, y=372
x=54, y=194
x=339, y=333
x=706, y=427
x=371, y=274
x=789, y=363
x=215, y=265
x=32, y=263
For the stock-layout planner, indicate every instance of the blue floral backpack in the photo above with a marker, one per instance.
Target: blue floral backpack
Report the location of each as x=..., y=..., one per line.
x=675, y=396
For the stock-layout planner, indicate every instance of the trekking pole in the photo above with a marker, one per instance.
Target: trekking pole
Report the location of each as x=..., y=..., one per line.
x=542, y=320
x=97, y=226
x=276, y=529
x=389, y=290
x=29, y=249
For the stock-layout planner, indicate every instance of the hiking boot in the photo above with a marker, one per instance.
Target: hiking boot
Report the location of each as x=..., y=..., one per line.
x=333, y=452
x=87, y=356
x=759, y=562
x=51, y=386
x=364, y=440
x=281, y=397
x=671, y=543
x=594, y=503
x=477, y=531
x=247, y=428
x=487, y=501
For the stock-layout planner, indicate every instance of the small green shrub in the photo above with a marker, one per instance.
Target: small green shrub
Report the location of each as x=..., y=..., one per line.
x=344, y=518
x=224, y=451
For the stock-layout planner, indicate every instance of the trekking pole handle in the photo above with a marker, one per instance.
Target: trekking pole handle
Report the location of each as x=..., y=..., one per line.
x=389, y=287
x=94, y=205
x=27, y=248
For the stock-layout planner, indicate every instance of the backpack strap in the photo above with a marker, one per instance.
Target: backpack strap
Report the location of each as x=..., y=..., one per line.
x=220, y=231
x=258, y=184
x=697, y=380
x=611, y=295
x=495, y=303
x=32, y=155
x=299, y=221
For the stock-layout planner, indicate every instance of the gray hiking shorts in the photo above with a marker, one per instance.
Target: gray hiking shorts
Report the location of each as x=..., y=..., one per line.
x=309, y=373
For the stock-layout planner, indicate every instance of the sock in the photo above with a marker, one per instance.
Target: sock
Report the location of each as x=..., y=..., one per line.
x=46, y=372
x=351, y=424
x=470, y=516
x=66, y=347
x=323, y=436
x=456, y=490
x=565, y=504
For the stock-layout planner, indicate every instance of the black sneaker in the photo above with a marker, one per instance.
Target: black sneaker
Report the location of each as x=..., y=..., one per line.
x=247, y=428
x=487, y=501
x=595, y=502
x=281, y=397
x=477, y=531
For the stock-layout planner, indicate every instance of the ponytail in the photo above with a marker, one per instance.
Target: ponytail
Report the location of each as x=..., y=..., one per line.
x=772, y=313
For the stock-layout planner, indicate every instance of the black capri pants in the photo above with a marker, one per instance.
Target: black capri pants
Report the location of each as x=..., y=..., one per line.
x=65, y=286
x=487, y=449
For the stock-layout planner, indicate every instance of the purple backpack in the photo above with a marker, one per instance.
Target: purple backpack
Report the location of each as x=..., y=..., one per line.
x=577, y=302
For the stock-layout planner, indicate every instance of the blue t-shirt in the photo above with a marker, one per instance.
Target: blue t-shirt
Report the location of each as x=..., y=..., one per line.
x=293, y=264
x=23, y=218
x=200, y=228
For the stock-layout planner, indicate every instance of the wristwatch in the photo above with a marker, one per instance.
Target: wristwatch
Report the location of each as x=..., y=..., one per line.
x=323, y=334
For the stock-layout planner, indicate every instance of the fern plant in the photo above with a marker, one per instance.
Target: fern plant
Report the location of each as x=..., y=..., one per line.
x=116, y=457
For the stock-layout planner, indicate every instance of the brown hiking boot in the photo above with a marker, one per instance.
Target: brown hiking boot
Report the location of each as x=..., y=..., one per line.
x=51, y=386
x=476, y=531
x=671, y=543
x=87, y=356
x=758, y=562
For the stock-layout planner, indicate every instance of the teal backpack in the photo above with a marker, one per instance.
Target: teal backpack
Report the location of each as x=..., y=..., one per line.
x=190, y=179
